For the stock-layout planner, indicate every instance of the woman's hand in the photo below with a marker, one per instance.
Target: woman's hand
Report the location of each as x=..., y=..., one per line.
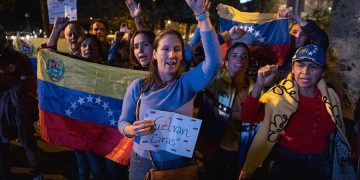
x=265, y=77
x=60, y=23
x=236, y=33
x=143, y=127
x=120, y=34
x=286, y=13
x=198, y=6
x=135, y=9
x=244, y=176
x=289, y=13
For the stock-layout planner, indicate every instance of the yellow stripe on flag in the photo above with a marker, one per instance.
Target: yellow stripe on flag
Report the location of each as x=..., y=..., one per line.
x=230, y=13
x=84, y=76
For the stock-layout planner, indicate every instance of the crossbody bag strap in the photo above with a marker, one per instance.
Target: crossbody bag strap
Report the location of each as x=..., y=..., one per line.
x=152, y=160
x=137, y=119
x=138, y=107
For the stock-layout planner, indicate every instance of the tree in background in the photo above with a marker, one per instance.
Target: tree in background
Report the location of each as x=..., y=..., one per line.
x=344, y=52
x=7, y=5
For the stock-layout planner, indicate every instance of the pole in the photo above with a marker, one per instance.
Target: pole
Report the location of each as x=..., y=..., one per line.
x=297, y=7
x=45, y=16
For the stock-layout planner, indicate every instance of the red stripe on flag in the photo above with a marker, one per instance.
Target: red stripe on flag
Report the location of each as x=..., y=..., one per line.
x=274, y=54
x=85, y=136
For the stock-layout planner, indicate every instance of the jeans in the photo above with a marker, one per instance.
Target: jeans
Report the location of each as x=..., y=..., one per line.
x=284, y=164
x=139, y=166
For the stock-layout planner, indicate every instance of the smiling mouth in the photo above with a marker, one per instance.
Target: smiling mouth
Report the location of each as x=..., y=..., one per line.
x=170, y=63
x=142, y=58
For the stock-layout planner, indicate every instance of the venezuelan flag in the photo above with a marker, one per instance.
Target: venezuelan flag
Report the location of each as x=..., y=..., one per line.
x=267, y=36
x=80, y=103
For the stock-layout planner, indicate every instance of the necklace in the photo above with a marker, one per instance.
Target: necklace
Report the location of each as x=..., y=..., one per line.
x=164, y=83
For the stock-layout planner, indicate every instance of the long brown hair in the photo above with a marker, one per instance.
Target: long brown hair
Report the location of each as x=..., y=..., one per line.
x=246, y=47
x=235, y=45
x=150, y=35
x=154, y=77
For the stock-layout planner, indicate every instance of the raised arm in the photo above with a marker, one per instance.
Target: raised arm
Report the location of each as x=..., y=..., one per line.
x=311, y=30
x=135, y=12
x=59, y=25
x=234, y=34
x=208, y=69
x=113, y=55
x=200, y=7
x=189, y=48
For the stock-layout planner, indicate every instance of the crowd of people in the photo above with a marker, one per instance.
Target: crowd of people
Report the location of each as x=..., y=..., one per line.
x=292, y=116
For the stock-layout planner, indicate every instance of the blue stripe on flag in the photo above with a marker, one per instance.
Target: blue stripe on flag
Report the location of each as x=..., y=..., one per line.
x=274, y=32
x=79, y=105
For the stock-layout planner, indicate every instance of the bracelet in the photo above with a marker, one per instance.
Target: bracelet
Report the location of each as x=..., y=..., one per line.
x=202, y=16
x=137, y=19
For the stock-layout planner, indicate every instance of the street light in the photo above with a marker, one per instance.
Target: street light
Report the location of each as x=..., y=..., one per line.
x=27, y=17
x=91, y=18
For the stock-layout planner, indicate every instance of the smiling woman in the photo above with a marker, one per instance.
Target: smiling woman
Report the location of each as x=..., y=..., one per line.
x=167, y=59
x=168, y=88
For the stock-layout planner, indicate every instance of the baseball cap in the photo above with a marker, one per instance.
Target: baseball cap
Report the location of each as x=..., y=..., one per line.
x=311, y=53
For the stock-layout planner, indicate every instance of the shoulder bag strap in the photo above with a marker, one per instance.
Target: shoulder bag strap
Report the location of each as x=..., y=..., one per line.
x=137, y=119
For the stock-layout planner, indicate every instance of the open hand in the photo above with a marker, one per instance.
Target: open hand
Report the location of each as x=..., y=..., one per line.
x=198, y=6
x=135, y=9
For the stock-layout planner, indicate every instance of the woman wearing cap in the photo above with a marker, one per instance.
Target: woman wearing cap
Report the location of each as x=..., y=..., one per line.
x=298, y=117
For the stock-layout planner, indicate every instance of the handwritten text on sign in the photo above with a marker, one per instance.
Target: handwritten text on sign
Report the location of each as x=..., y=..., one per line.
x=174, y=133
x=62, y=8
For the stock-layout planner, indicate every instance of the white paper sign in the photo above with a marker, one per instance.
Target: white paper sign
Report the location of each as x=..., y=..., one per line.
x=71, y=13
x=174, y=133
x=61, y=8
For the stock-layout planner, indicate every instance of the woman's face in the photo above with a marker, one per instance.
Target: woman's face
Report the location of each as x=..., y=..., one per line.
x=89, y=49
x=72, y=36
x=238, y=60
x=143, y=49
x=297, y=35
x=168, y=55
x=306, y=74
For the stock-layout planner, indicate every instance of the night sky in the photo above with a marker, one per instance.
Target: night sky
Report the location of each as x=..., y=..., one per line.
x=15, y=19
